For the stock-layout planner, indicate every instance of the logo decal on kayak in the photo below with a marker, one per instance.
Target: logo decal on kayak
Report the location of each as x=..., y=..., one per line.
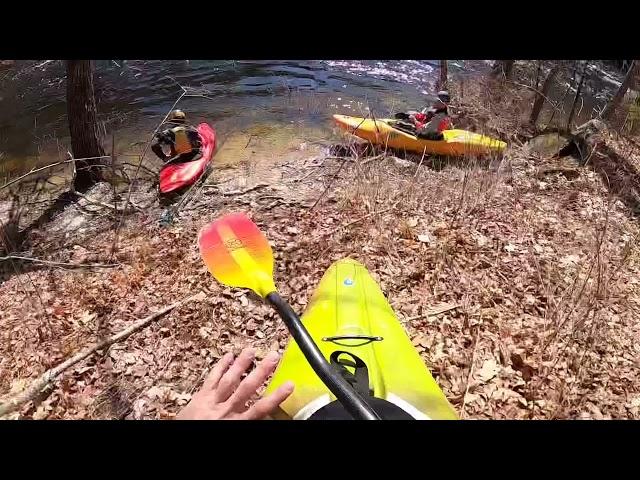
x=348, y=282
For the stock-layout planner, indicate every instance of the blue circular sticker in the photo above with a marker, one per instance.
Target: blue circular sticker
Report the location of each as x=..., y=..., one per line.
x=348, y=282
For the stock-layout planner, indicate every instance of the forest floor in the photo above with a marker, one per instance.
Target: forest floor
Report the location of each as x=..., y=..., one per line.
x=517, y=279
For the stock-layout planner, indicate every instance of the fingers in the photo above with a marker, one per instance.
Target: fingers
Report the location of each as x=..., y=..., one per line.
x=218, y=371
x=263, y=407
x=254, y=380
x=231, y=379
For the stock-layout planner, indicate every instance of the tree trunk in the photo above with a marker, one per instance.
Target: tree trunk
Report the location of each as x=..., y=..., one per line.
x=503, y=67
x=538, y=70
x=86, y=139
x=583, y=74
x=443, y=75
x=541, y=96
x=629, y=82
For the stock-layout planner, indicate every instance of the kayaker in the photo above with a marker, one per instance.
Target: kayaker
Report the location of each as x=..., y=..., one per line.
x=430, y=123
x=182, y=139
x=224, y=393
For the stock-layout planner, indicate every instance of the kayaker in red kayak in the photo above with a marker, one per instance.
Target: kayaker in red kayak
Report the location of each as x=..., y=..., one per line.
x=431, y=122
x=183, y=140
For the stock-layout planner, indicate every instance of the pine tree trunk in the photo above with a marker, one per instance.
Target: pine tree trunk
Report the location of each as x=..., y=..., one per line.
x=540, y=96
x=86, y=139
x=629, y=82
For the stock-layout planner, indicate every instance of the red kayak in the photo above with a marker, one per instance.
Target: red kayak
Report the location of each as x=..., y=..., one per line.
x=176, y=176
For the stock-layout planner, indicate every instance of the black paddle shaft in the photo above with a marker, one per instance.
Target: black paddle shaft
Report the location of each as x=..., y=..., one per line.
x=344, y=392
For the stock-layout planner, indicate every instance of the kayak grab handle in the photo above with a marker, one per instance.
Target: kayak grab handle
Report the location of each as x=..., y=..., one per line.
x=344, y=392
x=365, y=339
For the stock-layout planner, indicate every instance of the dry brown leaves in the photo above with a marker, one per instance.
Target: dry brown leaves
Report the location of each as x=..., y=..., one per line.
x=520, y=293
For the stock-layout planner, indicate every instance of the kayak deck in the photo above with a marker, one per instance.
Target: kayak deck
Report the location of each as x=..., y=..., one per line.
x=348, y=302
x=455, y=143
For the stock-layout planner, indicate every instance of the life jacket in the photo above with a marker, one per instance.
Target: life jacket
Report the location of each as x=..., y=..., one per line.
x=182, y=142
x=444, y=124
x=439, y=122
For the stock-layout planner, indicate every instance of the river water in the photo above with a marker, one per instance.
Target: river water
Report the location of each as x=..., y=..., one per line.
x=295, y=98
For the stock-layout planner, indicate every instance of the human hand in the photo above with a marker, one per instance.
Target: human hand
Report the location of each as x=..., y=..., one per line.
x=224, y=394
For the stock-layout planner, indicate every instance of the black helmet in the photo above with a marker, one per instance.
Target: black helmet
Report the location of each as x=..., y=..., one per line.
x=177, y=116
x=444, y=97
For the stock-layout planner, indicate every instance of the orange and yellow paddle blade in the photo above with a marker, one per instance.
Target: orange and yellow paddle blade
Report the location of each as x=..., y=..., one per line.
x=237, y=253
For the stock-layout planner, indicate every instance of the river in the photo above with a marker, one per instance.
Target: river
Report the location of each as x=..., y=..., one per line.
x=296, y=98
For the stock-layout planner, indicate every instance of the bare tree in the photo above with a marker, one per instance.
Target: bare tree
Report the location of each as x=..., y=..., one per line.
x=583, y=74
x=86, y=139
x=629, y=82
x=542, y=95
x=443, y=75
x=503, y=67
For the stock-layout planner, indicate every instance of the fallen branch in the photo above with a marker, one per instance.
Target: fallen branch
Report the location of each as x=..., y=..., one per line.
x=36, y=170
x=152, y=172
x=107, y=205
x=59, y=264
x=433, y=311
x=239, y=192
x=312, y=170
x=355, y=160
x=15, y=402
x=344, y=161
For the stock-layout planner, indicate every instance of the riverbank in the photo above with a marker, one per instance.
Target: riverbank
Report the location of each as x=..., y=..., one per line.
x=516, y=281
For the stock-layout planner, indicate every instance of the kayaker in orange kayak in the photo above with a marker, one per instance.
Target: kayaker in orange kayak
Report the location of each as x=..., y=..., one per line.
x=183, y=140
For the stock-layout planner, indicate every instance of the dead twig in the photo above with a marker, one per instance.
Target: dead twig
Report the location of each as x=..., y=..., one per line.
x=107, y=205
x=344, y=161
x=434, y=311
x=239, y=192
x=135, y=176
x=36, y=170
x=466, y=389
x=59, y=264
x=154, y=173
x=15, y=402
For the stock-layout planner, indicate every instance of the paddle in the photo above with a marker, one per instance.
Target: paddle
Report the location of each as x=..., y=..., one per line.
x=238, y=255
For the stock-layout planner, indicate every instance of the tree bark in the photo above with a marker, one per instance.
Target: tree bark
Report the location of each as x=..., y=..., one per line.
x=503, y=67
x=86, y=139
x=583, y=74
x=538, y=70
x=629, y=82
x=443, y=75
x=541, y=96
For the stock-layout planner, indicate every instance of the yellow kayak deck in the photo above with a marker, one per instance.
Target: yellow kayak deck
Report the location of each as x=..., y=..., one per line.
x=349, y=302
x=455, y=143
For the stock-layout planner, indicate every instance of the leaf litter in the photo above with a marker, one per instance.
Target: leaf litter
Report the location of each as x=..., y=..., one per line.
x=545, y=298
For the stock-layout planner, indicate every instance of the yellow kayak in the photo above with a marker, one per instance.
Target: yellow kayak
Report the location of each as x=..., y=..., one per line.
x=348, y=313
x=455, y=143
